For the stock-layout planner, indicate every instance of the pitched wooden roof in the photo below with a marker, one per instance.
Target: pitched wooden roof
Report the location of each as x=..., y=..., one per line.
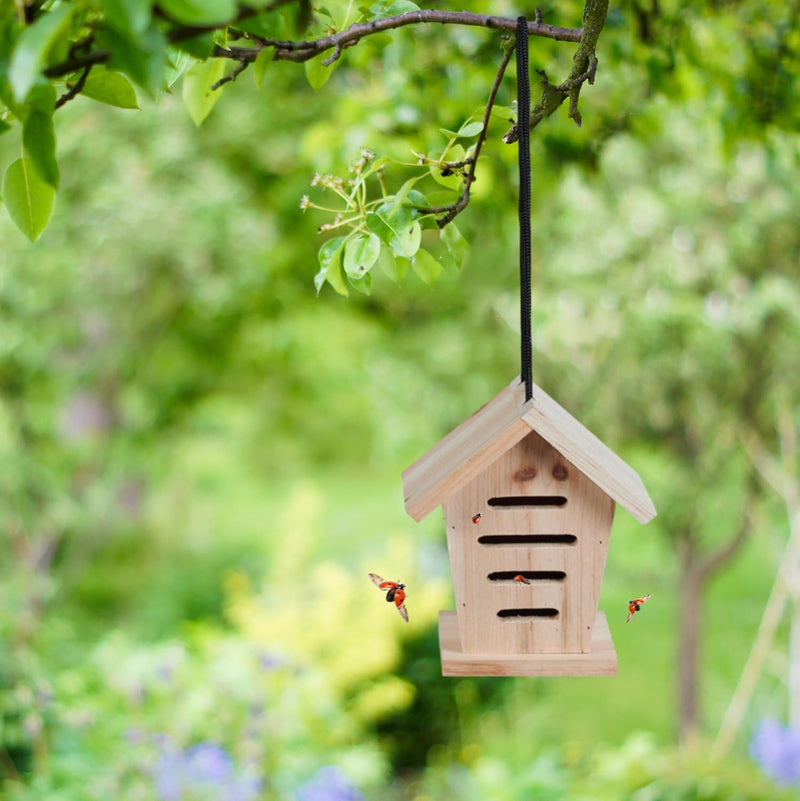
x=501, y=424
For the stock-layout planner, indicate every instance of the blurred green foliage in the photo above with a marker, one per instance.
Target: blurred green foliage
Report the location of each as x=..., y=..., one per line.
x=202, y=456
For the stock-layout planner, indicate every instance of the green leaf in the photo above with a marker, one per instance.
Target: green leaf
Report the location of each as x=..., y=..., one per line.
x=198, y=96
x=142, y=59
x=111, y=88
x=28, y=198
x=129, y=16
x=32, y=48
x=363, y=284
x=39, y=141
x=200, y=47
x=426, y=267
x=330, y=262
x=389, y=9
x=398, y=210
x=179, y=62
x=4, y=126
x=455, y=180
x=378, y=41
x=457, y=246
x=317, y=74
x=470, y=129
x=378, y=225
x=261, y=64
x=396, y=267
x=360, y=254
x=396, y=216
x=407, y=241
x=199, y=12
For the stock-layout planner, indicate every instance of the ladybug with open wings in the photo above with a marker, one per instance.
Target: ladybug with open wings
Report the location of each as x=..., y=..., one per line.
x=394, y=592
x=635, y=605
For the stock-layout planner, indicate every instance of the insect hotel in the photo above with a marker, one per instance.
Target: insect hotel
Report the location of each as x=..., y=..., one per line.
x=528, y=496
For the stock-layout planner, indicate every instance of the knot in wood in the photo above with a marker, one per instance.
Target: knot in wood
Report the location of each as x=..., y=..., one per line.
x=525, y=474
x=560, y=472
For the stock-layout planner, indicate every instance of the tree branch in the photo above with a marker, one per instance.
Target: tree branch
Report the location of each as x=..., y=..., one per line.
x=584, y=67
x=76, y=88
x=713, y=561
x=231, y=76
x=303, y=51
x=286, y=50
x=451, y=211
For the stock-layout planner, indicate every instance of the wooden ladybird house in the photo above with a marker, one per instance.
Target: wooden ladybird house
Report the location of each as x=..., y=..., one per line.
x=528, y=496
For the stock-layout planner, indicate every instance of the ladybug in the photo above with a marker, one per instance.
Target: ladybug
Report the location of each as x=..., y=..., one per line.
x=635, y=605
x=394, y=592
x=520, y=579
x=477, y=518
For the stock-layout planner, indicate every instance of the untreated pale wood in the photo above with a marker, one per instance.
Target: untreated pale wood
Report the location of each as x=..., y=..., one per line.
x=464, y=452
x=591, y=456
x=498, y=426
x=601, y=660
x=531, y=468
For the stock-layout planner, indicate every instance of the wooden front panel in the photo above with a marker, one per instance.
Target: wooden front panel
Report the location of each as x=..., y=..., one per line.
x=532, y=470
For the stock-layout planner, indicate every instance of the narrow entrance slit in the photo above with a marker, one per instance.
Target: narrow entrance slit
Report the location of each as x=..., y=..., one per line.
x=523, y=501
x=527, y=539
x=536, y=612
x=533, y=575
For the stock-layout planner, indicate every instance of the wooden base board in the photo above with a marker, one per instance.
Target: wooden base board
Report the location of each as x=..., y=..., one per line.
x=600, y=661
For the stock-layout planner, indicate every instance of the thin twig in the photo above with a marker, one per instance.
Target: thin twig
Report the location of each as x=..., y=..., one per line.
x=451, y=211
x=231, y=76
x=337, y=51
x=76, y=88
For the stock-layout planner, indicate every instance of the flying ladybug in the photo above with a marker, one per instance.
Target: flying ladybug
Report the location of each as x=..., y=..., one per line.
x=635, y=605
x=394, y=592
x=520, y=579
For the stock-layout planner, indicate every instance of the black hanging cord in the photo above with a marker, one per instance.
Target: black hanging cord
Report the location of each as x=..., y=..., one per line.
x=523, y=127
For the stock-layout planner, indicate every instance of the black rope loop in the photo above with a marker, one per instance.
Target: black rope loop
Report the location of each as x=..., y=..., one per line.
x=523, y=127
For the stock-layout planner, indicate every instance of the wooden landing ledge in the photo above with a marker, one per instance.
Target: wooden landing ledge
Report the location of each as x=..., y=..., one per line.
x=600, y=661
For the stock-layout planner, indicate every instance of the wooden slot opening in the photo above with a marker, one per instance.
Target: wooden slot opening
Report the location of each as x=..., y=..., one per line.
x=532, y=575
x=528, y=539
x=523, y=501
x=536, y=612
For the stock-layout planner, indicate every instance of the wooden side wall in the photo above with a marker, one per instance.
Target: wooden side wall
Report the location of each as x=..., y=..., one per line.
x=530, y=468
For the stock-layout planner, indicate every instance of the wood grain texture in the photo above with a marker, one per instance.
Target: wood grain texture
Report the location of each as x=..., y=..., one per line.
x=592, y=457
x=601, y=660
x=531, y=468
x=464, y=452
x=498, y=426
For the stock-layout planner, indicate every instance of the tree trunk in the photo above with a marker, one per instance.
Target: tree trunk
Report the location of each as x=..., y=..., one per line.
x=689, y=606
x=697, y=568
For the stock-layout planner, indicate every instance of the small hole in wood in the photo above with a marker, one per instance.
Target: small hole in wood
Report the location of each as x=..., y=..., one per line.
x=531, y=575
x=528, y=539
x=538, y=612
x=522, y=501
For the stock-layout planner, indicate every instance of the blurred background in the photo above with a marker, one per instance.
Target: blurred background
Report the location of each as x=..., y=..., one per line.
x=202, y=457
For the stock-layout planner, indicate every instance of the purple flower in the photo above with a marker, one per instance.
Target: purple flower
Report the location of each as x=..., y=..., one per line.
x=777, y=749
x=329, y=784
x=202, y=771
